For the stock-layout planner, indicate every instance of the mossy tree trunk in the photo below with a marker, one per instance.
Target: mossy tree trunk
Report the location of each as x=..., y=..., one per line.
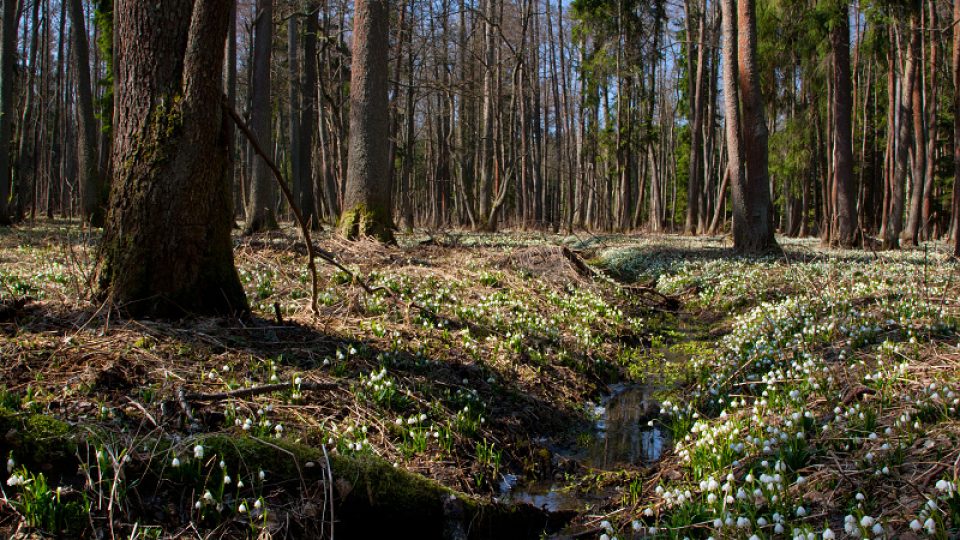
x=367, y=206
x=167, y=249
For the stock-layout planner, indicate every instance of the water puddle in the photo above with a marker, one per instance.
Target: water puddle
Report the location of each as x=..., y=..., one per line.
x=622, y=437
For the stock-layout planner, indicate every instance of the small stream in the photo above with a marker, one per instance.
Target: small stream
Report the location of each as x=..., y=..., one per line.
x=622, y=437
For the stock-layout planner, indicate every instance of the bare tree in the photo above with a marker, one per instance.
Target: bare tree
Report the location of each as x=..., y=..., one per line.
x=367, y=194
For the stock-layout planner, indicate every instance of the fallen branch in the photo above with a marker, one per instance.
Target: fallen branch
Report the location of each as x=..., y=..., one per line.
x=254, y=391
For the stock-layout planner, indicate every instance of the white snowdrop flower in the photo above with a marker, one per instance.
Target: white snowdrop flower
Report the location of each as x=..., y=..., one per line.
x=942, y=485
x=11, y=464
x=223, y=464
x=828, y=534
x=867, y=521
x=754, y=537
x=227, y=479
x=717, y=523
x=175, y=463
x=257, y=504
x=240, y=484
x=262, y=474
x=860, y=497
x=242, y=509
x=604, y=536
x=762, y=521
x=930, y=525
x=298, y=381
x=207, y=496
x=605, y=525
x=198, y=451
x=915, y=525
x=877, y=529
x=635, y=525
x=648, y=512
x=652, y=530
x=742, y=522
x=197, y=505
x=801, y=511
x=778, y=529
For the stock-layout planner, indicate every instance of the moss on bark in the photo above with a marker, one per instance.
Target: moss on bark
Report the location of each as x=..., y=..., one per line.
x=360, y=221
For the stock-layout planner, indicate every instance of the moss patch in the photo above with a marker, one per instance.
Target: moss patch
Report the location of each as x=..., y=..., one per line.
x=361, y=220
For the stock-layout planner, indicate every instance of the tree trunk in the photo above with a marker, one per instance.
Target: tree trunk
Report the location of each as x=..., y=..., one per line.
x=753, y=223
x=911, y=234
x=903, y=140
x=92, y=194
x=845, y=202
x=293, y=115
x=8, y=57
x=696, y=116
x=486, y=136
x=263, y=192
x=956, y=131
x=367, y=194
x=167, y=249
x=308, y=118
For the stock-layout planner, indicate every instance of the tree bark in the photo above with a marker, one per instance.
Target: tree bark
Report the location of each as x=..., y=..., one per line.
x=308, y=118
x=753, y=223
x=845, y=203
x=8, y=57
x=911, y=233
x=367, y=194
x=903, y=141
x=956, y=131
x=92, y=193
x=261, y=215
x=167, y=249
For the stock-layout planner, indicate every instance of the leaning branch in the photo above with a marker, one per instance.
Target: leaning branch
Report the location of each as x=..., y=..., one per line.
x=304, y=228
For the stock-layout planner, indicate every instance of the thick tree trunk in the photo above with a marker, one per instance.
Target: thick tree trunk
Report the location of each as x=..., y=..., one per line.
x=92, y=194
x=8, y=56
x=367, y=194
x=167, y=249
x=753, y=224
x=261, y=215
x=845, y=202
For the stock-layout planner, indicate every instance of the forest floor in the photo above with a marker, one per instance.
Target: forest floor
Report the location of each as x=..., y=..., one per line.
x=810, y=391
